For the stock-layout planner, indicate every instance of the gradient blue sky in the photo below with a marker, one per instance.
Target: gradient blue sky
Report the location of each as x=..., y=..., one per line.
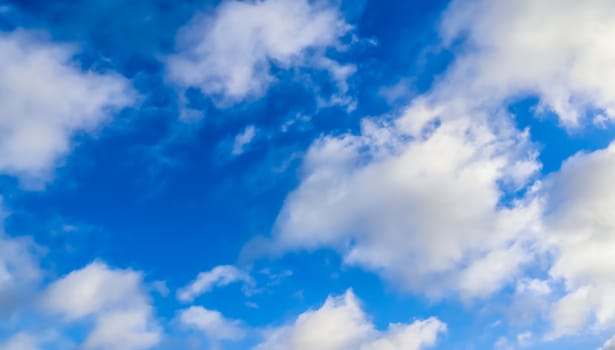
x=296, y=174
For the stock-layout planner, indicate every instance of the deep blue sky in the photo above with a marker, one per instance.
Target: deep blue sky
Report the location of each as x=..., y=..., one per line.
x=152, y=193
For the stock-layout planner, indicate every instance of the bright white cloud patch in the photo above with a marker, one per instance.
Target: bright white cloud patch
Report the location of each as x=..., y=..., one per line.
x=229, y=55
x=212, y=323
x=422, y=192
x=428, y=191
x=219, y=276
x=341, y=324
x=581, y=227
x=560, y=50
x=114, y=299
x=46, y=98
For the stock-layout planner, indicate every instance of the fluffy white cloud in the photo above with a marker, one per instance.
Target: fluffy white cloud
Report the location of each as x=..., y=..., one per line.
x=581, y=229
x=423, y=192
x=46, y=99
x=219, y=276
x=212, y=323
x=114, y=299
x=560, y=50
x=427, y=190
x=341, y=324
x=229, y=55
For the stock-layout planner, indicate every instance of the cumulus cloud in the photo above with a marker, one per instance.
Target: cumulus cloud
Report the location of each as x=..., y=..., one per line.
x=430, y=189
x=341, y=324
x=212, y=323
x=581, y=229
x=229, y=55
x=46, y=99
x=219, y=276
x=424, y=192
x=114, y=299
x=559, y=50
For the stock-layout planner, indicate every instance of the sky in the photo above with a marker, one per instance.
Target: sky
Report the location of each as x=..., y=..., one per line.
x=307, y=174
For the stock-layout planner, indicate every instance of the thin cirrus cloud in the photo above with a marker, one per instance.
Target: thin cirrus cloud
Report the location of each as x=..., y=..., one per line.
x=243, y=139
x=229, y=55
x=219, y=276
x=46, y=99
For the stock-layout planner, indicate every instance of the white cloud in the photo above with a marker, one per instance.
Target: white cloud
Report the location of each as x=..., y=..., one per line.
x=127, y=328
x=219, y=276
x=609, y=344
x=421, y=194
x=559, y=50
x=243, y=139
x=21, y=341
x=525, y=339
x=533, y=286
x=341, y=324
x=215, y=326
x=115, y=299
x=19, y=271
x=581, y=229
x=46, y=99
x=229, y=55
x=426, y=190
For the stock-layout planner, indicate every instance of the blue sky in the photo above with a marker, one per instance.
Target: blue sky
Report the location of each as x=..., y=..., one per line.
x=297, y=174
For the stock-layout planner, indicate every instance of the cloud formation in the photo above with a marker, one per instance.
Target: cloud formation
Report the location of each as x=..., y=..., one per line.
x=559, y=50
x=212, y=323
x=424, y=191
x=581, y=228
x=433, y=188
x=341, y=324
x=229, y=55
x=114, y=299
x=219, y=276
x=46, y=99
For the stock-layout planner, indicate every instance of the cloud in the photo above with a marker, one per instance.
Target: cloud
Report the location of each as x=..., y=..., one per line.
x=449, y=186
x=424, y=191
x=114, y=299
x=243, y=139
x=581, y=229
x=219, y=276
x=21, y=341
x=215, y=326
x=230, y=54
x=46, y=99
x=19, y=272
x=559, y=50
x=608, y=345
x=341, y=324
